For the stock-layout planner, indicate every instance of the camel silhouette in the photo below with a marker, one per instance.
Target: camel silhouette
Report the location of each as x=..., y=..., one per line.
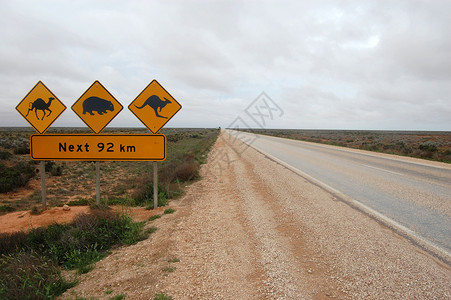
x=40, y=104
x=156, y=103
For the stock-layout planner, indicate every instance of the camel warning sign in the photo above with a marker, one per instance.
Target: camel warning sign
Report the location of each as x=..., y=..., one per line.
x=40, y=107
x=97, y=107
x=154, y=106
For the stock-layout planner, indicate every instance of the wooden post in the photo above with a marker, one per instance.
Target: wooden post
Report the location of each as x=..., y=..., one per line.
x=43, y=194
x=155, y=185
x=97, y=183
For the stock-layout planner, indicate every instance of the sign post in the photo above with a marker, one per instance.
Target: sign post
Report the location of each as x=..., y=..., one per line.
x=41, y=114
x=43, y=192
x=154, y=107
x=97, y=183
x=97, y=107
x=155, y=185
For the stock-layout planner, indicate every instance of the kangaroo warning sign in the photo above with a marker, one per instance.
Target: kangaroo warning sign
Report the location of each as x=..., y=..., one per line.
x=154, y=106
x=97, y=107
x=40, y=107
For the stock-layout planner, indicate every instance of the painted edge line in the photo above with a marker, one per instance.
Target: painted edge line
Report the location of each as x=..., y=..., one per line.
x=428, y=246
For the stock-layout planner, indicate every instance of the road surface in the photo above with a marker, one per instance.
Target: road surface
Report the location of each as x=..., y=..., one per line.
x=254, y=229
x=414, y=195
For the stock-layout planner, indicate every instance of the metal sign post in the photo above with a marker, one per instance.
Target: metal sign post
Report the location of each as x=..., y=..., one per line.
x=154, y=107
x=97, y=183
x=97, y=107
x=155, y=184
x=40, y=107
x=43, y=194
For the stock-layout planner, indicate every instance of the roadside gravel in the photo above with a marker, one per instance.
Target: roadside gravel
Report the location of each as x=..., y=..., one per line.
x=252, y=229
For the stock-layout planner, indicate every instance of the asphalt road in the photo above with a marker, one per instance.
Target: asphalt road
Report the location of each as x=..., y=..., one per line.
x=414, y=195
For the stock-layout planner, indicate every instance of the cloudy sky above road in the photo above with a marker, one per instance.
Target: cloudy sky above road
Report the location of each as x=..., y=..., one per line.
x=321, y=64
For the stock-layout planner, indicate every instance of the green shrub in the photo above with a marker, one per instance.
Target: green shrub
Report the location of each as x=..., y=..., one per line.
x=151, y=230
x=82, y=260
x=6, y=208
x=169, y=211
x=162, y=296
x=29, y=262
x=5, y=155
x=25, y=275
x=22, y=150
x=15, y=177
x=428, y=147
x=35, y=210
x=80, y=202
x=144, y=195
x=154, y=217
x=118, y=297
x=188, y=170
x=12, y=242
x=53, y=168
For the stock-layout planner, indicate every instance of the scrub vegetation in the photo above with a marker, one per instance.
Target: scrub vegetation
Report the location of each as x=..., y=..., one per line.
x=31, y=262
x=124, y=183
x=419, y=144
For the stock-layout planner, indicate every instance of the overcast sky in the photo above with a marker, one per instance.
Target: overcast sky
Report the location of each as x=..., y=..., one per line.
x=322, y=64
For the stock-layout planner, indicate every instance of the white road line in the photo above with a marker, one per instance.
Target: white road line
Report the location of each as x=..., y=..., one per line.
x=396, y=173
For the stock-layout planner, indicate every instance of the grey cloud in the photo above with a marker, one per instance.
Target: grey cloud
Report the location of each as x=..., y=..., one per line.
x=329, y=64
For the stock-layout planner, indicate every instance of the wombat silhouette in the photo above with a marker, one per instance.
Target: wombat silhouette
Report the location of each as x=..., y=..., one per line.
x=97, y=104
x=157, y=104
x=40, y=104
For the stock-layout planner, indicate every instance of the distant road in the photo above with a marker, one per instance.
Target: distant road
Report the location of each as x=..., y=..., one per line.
x=415, y=194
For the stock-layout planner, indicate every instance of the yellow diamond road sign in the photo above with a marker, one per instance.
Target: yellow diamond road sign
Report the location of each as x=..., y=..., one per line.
x=154, y=106
x=97, y=107
x=40, y=107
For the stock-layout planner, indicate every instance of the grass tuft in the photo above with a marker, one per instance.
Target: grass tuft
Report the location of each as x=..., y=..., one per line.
x=162, y=296
x=169, y=211
x=154, y=217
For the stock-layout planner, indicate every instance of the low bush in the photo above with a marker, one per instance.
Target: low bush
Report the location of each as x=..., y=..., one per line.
x=6, y=208
x=154, y=217
x=80, y=202
x=187, y=170
x=28, y=264
x=14, y=177
x=22, y=150
x=187, y=153
x=144, y=195
x=5, y=155
x=162, y=296
x=169, y=211
x=53, y=168
x=25, y=275
x=12, y=242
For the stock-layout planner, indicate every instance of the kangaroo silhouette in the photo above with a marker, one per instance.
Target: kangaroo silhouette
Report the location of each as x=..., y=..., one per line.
x=157, y=104
x=40, y=104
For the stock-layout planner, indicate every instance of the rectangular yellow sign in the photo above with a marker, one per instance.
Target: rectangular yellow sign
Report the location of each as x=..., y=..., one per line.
x=124, y=147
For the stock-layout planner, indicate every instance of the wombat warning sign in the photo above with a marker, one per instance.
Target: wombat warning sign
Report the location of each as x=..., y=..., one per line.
x=97, y=107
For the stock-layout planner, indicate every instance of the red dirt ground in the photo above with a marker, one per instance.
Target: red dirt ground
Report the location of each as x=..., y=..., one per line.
x=24, y=220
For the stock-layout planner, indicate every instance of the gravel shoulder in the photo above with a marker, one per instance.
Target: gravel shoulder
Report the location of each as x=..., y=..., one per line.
x=252, y=229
